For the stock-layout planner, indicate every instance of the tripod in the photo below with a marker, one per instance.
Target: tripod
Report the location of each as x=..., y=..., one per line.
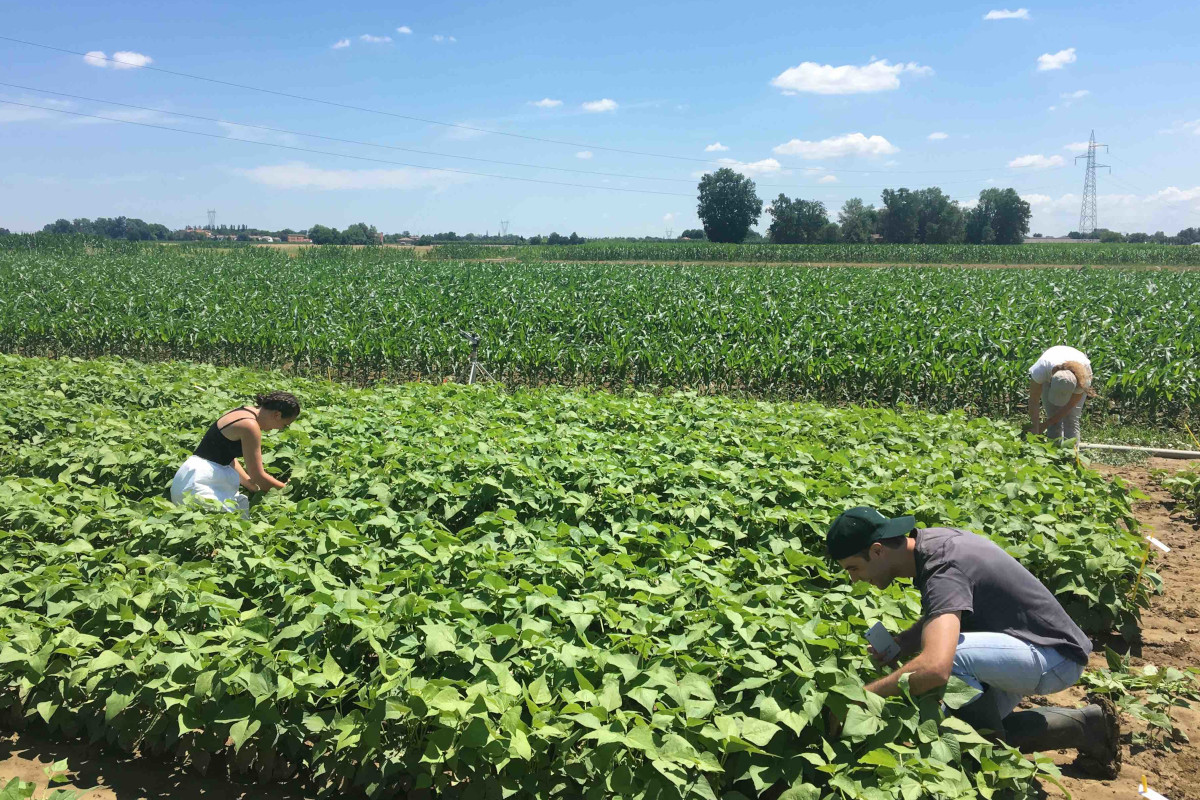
x=475, y=365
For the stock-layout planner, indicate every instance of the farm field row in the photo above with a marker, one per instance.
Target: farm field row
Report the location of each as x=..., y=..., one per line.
x=934, y=338
x=557, y=593
x=1053, y=253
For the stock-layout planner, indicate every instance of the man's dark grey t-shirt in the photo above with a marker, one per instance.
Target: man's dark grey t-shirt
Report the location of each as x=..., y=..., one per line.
x=961, y=571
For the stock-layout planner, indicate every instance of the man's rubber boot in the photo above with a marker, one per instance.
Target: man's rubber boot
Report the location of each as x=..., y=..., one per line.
x=1092, y=730
x=982, y=715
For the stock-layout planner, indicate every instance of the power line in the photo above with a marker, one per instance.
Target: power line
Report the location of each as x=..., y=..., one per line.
x=342, y=155
x=285, y=131
x=424, y=120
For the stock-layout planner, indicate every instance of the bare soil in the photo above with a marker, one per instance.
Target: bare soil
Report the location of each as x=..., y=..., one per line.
x=1169, y=629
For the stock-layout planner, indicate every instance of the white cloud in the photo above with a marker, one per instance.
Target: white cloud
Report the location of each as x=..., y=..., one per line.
x=366, y=37
x=937, y=136
x=877, y=76
x=600, y=106
x=121, y=115
x=22, y=114
x=298, y=175
x=1004, y=13
x=1052, y=108
x=766, y=166
x=1037, y=161
x=546, y=102
x=247, y=134
x=1075, y=95
x=122, y=59
x=669, y=217
x=439, y=38
x=127, y=59
x=850, y=144
x=1047, y=61
x=828, y=179
x=1173, y=194
x=473, y=131
x=404, y=29
x=1192, y=126
x=341, y=43
x=1076, y=147
x=716, y=147
x=584, y=154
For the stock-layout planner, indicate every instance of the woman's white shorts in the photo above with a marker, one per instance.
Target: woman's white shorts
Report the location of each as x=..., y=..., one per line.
x=202, y=479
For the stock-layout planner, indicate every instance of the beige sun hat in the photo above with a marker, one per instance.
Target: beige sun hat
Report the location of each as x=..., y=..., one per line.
x=1063, y=384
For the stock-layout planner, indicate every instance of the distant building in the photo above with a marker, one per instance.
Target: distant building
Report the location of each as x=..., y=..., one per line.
x=406, y=240
x=296, y=238
x=199, y=232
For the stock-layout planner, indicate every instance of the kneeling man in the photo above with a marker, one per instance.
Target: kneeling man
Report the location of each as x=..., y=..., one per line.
x=986, y=620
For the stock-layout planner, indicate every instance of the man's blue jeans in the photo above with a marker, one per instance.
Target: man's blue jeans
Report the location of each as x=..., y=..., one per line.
x=1011, y=669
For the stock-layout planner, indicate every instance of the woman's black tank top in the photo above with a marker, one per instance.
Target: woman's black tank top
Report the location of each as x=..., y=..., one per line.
x=215, y=447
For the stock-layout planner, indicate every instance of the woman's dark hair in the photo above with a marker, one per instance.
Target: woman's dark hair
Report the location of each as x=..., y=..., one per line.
x=283, y=402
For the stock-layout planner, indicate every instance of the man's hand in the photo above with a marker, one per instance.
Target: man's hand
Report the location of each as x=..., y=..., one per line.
x=931, y=669
x=877, y=657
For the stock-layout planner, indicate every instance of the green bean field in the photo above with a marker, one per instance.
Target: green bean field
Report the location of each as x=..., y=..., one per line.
x=932, y=337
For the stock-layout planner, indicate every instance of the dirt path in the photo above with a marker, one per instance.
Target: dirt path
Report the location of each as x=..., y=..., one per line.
x=1169, y=632
x=1169, y=638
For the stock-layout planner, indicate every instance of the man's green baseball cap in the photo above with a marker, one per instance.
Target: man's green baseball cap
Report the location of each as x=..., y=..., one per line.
x=860, y=527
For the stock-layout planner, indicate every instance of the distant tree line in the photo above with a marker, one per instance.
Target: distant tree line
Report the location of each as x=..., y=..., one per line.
x=358, y=233
x=729, y=206
x=112, y=228
x=1185, y=236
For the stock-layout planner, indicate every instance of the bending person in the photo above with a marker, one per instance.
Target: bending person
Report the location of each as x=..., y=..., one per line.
x=213, y=471
x=986, y=620
x=1060, y=381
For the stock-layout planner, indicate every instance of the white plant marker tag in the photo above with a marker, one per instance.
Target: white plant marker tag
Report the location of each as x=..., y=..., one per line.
x=1158, y=544
x=1144, y=789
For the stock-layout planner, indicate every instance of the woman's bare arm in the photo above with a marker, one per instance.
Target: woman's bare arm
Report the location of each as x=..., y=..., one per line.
x=251, y=437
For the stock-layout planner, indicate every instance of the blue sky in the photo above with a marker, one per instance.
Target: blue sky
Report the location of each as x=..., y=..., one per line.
x=816, y=100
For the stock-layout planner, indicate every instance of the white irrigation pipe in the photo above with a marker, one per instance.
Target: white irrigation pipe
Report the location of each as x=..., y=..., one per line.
x=1154, y=451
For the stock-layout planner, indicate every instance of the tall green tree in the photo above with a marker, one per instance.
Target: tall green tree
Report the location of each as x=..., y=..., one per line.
x=796, y=221
x=939, y=219
x=1000, y=217
x=857, y=220
x=728, y=205
x=360, y=233
x=899, y=217
x=321, y=234
x=830, y=233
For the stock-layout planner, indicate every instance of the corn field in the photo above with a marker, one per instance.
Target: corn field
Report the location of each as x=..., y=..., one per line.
x=935, y=338
x=1055, y=253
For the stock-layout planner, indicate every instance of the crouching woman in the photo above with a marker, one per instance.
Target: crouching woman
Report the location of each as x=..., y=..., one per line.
x=213, y=471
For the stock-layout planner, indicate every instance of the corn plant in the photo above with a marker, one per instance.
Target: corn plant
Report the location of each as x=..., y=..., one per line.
x=935, y=338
